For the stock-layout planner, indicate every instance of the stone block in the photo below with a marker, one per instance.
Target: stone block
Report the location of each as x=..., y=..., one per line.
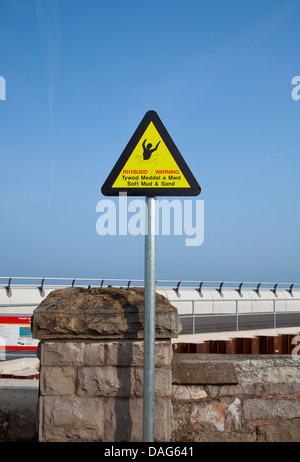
x=162, y=379
x=125, y=353
x=241, y=389
x=58, y=380
x=281, y=380
x=259, y=409
x=131, y=353
x=93, y=353
x=285, y=432
x=109, y=312
x=104, y=381
x=60, y=353
x=188, y=392
x=162, y=419
x=248, y=373
x=163, y=353
x=124, y=420
x=71, y=419
x=193, y=369
x=71, y=352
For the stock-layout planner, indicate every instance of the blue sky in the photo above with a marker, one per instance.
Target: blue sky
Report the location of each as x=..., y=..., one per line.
x=81, y=74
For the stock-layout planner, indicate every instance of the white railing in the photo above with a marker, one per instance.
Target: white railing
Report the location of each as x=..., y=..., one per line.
x=193, y=316
x=198, y=285
x=41, y=283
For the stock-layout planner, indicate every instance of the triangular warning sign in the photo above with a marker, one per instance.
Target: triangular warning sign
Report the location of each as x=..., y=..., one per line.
x=151, y=165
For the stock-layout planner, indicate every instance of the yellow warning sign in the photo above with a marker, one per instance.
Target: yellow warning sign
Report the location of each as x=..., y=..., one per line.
x=151, y=165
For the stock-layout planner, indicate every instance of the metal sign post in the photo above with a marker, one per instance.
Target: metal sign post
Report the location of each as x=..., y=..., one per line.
x=149, y=322
x=150, y=166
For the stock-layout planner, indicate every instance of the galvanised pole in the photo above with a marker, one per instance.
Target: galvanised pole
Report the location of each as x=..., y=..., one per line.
x=149, y=323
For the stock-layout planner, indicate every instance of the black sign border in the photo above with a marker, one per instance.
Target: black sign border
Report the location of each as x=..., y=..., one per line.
x=151, y=116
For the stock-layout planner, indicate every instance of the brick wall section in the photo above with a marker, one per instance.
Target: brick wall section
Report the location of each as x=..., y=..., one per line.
x=235, y=398
x=92, y=390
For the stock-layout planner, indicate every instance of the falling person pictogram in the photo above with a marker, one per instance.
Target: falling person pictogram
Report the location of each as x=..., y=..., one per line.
x=147, y=149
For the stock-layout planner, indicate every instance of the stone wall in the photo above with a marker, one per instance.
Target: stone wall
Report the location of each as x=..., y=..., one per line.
x=213, y=397
x=235, y=398
x=93, y=391
x=91, y=377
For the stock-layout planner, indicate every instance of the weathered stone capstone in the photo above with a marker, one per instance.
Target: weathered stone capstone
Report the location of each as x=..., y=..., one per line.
x=101, y=312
